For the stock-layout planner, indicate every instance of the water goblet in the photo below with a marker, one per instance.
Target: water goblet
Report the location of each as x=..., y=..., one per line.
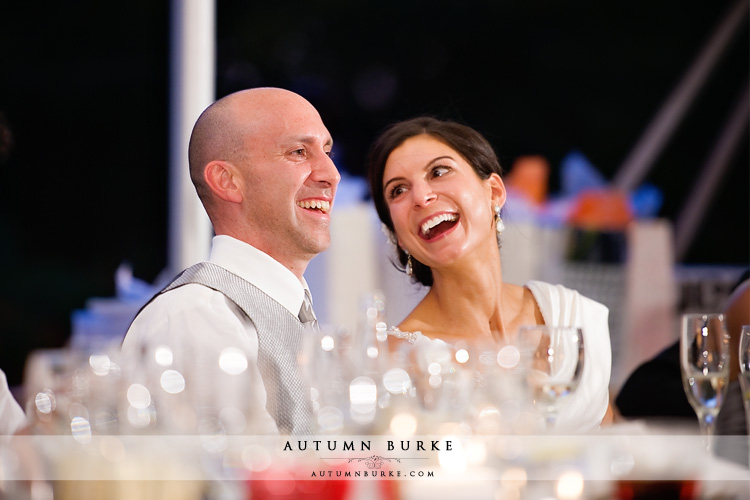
x=554, y=362
x=704, y=358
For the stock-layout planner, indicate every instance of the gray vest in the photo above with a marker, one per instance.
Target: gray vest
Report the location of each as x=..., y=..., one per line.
x=280, y=340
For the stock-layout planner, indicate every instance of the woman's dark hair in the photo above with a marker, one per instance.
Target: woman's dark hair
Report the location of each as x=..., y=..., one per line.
x=466, y=141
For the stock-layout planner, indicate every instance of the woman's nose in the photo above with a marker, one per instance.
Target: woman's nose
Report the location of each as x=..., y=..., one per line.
x=423, y=195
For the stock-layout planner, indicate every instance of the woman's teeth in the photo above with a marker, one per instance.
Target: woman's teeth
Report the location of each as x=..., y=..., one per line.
x=437, y=220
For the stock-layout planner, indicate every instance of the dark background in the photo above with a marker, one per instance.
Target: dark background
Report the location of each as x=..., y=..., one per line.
x=84, y=88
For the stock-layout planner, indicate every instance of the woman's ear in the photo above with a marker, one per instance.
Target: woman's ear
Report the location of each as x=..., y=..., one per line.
x=224, y=181
x=497, y=190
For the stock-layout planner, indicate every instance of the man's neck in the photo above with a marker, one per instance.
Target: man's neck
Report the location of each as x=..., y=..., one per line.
x=296, y=266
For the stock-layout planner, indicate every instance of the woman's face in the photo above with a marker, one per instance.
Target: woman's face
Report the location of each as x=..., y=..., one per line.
x=440, y=207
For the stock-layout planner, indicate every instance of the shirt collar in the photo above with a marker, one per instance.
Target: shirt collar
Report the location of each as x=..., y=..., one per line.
x=260, y=269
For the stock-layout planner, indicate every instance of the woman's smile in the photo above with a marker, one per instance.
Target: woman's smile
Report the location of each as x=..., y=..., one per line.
x=438, y=225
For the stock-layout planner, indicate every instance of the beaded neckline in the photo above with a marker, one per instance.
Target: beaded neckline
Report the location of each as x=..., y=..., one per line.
x=410, y=337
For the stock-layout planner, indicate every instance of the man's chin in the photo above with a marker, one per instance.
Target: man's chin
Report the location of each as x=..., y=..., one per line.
x=318, y=245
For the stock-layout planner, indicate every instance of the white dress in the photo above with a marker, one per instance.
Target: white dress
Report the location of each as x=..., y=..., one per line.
x=561, y=306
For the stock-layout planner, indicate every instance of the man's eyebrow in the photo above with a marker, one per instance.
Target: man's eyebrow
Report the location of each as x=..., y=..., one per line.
x=310, y=139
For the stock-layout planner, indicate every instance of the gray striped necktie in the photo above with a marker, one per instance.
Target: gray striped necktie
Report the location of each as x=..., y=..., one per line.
x=306, y=313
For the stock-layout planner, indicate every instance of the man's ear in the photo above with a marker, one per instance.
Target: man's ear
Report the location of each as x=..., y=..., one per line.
x=224, y=181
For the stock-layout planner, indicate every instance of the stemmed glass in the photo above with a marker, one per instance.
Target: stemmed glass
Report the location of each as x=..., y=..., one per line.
x=554, y=362
x=704, y=358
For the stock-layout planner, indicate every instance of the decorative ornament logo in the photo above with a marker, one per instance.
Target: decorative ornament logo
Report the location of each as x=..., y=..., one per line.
x=375, y=461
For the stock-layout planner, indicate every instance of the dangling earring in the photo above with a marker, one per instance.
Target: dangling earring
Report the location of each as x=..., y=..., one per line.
x=409, y=266
x=499, y=224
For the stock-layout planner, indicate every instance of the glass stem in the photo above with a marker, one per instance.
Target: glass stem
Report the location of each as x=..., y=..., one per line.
x=550, y=420
x=707, y=422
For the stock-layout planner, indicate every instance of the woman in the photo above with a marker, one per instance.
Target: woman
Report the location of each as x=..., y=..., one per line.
x=437, y=187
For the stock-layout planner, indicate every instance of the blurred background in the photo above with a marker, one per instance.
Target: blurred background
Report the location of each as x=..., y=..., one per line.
x=84, y=97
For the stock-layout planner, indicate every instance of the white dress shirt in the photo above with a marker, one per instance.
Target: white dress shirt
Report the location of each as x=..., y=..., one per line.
x=12, y=417
x=199, y=324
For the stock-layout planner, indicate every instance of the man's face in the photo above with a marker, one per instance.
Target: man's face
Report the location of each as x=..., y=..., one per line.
x=290, y=184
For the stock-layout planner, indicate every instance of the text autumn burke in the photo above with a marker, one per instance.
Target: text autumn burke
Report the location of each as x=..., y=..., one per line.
x=333, y=445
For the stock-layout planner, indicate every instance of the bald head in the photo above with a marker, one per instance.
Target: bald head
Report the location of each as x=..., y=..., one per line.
x=260, y=160
x=224, y=130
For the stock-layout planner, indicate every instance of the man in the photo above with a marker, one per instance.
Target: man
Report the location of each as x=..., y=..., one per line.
x=260, y=162
x=12, y=417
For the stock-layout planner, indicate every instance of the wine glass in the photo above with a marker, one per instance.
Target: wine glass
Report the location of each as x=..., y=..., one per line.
x=704, y=358
x=554, y=363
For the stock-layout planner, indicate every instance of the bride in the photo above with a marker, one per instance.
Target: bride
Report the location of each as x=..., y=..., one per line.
x=437, y=187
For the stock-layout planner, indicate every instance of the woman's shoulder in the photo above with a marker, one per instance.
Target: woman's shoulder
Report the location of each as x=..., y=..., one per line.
x=542, y=289
x=562, y=305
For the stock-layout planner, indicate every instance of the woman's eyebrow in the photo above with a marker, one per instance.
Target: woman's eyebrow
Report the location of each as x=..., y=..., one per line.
x=385, y=186
x=427, y=165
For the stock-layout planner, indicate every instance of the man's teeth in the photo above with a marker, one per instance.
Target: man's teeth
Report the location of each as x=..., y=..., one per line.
x=437, y=220
x=323, y=206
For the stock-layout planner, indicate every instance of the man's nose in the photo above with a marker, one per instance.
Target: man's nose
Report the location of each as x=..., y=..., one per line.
x=324, y=170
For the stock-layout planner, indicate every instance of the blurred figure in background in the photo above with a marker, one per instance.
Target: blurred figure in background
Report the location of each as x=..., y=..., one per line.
x=655, y=389
x=732, y=418
x=6, y=139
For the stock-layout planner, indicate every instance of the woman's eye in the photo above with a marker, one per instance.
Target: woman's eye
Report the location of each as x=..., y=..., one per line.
x=440, y=171
x=397, y=190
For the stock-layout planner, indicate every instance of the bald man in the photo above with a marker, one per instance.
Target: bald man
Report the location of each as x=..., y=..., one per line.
x=233, y=326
